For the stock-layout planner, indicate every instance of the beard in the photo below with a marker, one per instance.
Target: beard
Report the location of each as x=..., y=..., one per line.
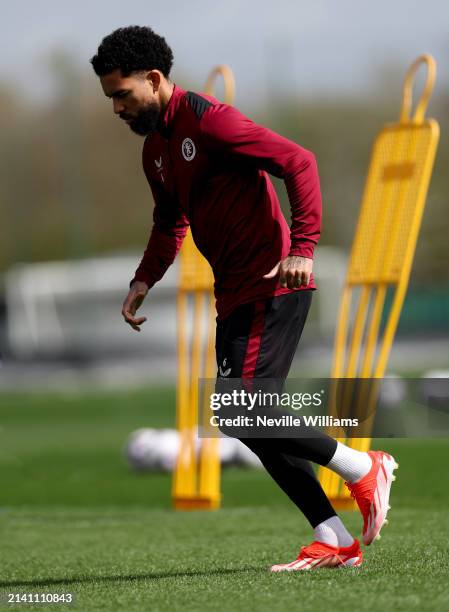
x=146, y=121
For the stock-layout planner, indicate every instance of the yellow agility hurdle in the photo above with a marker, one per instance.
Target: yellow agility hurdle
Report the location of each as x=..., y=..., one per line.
x=381, y=257
x=196, y=478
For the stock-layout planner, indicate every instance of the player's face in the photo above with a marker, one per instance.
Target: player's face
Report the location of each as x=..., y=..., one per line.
x=135, y=99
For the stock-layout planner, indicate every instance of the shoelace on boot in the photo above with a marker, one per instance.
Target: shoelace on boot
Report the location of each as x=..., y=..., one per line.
x=361, y=492
x=316, y=550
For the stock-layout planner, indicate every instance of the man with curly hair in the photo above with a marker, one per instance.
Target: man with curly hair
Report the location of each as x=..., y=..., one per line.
x=207, y=166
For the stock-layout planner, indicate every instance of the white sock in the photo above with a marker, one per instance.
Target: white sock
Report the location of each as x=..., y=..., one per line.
x=333, y=532
x=350, y=464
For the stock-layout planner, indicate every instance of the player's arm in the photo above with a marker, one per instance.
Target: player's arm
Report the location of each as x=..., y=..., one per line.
x=225, y=129
x=169, y=229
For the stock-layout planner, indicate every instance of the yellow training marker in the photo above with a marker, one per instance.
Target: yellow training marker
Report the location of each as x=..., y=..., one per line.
x=196, y=479
x=381, y=258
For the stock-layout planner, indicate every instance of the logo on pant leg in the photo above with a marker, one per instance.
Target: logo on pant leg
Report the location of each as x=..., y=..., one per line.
x=224, y=373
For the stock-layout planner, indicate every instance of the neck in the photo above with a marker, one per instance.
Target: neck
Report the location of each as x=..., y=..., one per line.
x=166, y=91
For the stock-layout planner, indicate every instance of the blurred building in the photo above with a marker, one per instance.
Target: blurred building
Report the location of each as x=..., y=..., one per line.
x=62, y=325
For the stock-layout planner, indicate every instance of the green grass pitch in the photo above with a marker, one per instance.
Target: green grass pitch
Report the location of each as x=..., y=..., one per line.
x=73, y=518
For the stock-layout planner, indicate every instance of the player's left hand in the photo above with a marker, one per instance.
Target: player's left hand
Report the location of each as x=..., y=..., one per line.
x=293, y=271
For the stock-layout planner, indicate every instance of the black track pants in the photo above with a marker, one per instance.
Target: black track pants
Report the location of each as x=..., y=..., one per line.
x=259, y=340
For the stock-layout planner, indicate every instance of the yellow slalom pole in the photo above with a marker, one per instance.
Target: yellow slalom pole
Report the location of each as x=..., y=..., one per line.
x=228, y=79
x=382, y=252
x=196, y=478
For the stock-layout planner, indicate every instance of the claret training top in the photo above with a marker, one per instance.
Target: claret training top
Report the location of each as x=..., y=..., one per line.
x=207, y=167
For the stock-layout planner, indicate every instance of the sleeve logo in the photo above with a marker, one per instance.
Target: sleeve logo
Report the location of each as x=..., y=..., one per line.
x=188, y=149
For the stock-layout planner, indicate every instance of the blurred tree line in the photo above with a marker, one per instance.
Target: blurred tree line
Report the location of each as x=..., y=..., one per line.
x=71, y=182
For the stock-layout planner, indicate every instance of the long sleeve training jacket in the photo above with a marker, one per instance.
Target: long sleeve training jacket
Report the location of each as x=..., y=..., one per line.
x=208, y=167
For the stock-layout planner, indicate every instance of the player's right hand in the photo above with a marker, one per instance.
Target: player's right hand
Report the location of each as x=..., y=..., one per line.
x=132, y=302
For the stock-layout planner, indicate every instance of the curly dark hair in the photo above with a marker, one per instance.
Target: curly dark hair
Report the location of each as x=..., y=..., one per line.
x=132, y=49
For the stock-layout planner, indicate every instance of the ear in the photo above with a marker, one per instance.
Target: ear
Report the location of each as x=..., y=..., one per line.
x=154, y=78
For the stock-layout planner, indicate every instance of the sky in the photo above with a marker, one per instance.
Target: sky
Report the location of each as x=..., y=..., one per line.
x=314, y=48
